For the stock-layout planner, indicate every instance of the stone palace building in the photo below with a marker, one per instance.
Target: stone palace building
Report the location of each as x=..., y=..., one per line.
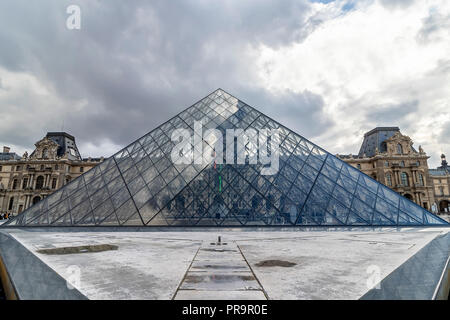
x=389, y=157
x=26, y=180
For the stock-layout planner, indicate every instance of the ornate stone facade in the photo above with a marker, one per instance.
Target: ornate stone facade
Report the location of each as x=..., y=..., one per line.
x=28, y=179
x=441, y=182
x=389, y=157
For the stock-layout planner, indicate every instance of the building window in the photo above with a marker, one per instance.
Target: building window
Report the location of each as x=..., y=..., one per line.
x=81, y=169
x=386, y=164
x=18, y=168
x=1, y=168
x=24, y=183
x=54, y=183
x=14, y=185
x=42, y=167
x=420, y=179
x=399, y=149
x=389, y=180
x=72, y=152
x=404, y=178
x=40, y=182
x=402, y=163
x=441, y=189
x=45, y=153
x=56, y=167
x=358, y=166
x=11, y=203
x=36, y=199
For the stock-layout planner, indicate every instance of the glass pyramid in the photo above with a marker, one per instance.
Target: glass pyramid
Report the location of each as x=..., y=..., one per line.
x=142, y=185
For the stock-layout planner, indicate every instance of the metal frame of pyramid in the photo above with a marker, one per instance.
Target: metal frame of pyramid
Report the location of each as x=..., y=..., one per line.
x=140, y=185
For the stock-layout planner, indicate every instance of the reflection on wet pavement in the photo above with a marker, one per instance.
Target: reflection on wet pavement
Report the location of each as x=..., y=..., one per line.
x=219, y=268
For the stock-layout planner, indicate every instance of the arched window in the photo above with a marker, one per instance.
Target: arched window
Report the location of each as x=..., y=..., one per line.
x=399, y=149
x=40, y=182
x=408, y=196
x=421, y=179
x=45, y=153
x=36, y=199
x=14, y=185
x=24, y=183
x=389, y=180
x=402, y=163
x=11, y=203
x=404, y=178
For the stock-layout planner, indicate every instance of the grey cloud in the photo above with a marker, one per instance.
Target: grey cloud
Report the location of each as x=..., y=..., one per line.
x=431, y=25
x=135, y=64
x=397, y=4
x=444, y=137
x=392, y=114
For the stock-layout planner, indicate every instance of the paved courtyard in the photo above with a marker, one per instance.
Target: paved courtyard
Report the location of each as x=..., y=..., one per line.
x=244, y=265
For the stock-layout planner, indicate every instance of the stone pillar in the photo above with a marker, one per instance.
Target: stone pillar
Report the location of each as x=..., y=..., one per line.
x=397, y=177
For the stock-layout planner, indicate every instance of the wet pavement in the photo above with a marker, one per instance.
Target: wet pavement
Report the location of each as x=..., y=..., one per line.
x=219, y=269
x=315, y=264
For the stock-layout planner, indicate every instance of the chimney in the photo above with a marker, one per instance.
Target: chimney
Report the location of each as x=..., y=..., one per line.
x=444, y=161
x=6, y=149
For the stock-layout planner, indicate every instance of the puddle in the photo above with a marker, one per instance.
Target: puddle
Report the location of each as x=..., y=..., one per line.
x=218, y=278
x=275, y=263
x=218, y=250
x=79, y=249
x=216, y=266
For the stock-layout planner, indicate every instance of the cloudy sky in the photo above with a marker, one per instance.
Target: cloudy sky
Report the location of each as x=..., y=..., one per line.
x=331, y=70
